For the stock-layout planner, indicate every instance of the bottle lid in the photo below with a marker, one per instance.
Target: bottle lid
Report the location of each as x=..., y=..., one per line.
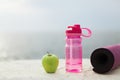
x=77, y=30
x=74, y=29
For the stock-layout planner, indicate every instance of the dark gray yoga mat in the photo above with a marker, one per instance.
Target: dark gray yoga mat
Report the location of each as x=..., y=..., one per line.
x=105, y=59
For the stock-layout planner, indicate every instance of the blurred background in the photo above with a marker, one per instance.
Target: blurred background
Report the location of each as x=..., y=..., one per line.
x=30, y=28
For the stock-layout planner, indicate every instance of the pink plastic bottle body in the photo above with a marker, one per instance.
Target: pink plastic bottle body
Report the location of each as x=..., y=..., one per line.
x=73, y=54
x=73, y=47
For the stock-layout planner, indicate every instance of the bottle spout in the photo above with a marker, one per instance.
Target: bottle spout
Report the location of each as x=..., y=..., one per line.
x=74, y=30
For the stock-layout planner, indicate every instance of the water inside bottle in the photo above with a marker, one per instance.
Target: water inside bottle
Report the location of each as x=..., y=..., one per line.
x=74, y=59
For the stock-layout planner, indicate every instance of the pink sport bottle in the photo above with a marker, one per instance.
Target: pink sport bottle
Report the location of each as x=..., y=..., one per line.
x=74, y=48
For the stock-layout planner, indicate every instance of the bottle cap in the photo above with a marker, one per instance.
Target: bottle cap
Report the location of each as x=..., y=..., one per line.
x=74, y=29
x=77, y=30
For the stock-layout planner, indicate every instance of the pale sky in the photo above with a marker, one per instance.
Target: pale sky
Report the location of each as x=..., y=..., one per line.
x=55, y=15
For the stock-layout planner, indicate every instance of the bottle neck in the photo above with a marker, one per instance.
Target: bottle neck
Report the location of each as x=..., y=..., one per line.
x=72, y=36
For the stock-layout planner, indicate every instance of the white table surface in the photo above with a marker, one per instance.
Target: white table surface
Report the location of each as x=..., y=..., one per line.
x=33, y=70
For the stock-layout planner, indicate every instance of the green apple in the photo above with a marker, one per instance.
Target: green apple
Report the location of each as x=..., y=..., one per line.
x=50, y=63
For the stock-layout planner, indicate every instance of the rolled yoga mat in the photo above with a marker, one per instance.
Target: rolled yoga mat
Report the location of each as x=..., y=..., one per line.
x=105, y=59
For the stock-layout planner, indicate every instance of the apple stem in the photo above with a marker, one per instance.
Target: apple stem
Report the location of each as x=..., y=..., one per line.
x=49, y=54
